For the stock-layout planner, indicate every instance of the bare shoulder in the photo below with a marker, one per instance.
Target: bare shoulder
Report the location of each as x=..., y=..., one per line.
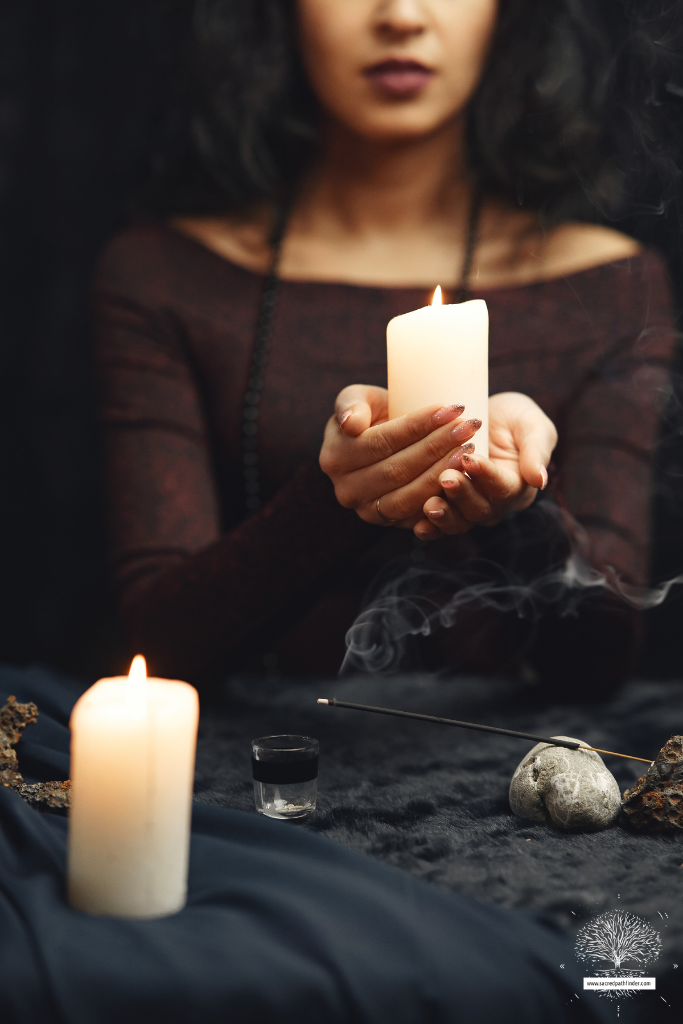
x=514, y=250
x=244, y=242
x=572, y=247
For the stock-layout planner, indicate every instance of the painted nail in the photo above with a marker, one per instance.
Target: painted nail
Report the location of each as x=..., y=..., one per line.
x=465, y=430
x=451, y=482
x=456, y=458
x=446, y=414
x=436, y=514
x=544, y=476
x=344, y=417
x=470, y=464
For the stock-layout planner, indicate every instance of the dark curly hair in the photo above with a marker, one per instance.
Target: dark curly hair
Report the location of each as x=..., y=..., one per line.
x=575, y=104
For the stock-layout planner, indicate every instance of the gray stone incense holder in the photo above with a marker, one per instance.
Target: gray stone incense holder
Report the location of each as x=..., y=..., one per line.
x=571, y=790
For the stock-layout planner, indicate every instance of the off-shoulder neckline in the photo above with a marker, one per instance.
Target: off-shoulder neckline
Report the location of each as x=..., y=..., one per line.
x=643, y=253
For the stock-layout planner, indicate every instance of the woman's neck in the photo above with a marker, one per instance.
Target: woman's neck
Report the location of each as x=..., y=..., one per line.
x=382, y=213
x=397, y=215
x=363, y=187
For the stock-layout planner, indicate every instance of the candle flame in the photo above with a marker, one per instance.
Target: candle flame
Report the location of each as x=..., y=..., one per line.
x=138, y=669
x=437, y=300
x=136, y=690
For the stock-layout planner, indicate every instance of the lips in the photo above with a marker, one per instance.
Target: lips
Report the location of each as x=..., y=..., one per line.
x=399, y=78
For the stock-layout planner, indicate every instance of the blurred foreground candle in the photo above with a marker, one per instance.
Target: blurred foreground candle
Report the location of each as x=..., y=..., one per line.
x=440, y=354
x=133, y=745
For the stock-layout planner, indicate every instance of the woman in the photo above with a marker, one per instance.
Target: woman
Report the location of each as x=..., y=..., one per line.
x=338, y=161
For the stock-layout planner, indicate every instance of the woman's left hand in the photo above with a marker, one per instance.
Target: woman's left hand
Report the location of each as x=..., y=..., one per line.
x=521, y=441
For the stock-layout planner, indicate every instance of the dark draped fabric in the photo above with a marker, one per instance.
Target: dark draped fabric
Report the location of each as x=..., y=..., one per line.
x=80, y=86
x=281, y=927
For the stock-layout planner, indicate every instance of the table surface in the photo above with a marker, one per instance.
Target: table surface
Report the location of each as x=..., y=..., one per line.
x=430, y=800
x=433, y=800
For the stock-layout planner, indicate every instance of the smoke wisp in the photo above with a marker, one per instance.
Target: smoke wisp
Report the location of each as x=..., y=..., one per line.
x=416, y=600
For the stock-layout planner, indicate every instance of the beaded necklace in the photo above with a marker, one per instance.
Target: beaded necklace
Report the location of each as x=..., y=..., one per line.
x=263, y=334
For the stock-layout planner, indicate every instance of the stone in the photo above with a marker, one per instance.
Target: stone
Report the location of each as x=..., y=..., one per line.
x=655, y=803
x=569, y=789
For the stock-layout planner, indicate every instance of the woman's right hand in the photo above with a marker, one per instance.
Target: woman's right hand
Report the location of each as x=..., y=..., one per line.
x=369, y=457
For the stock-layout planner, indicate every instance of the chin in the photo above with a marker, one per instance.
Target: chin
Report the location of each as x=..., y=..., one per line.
x=397, y=125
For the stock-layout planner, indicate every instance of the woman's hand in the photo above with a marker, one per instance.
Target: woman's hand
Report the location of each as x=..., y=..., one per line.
x=415, y=465
x=397, y=462
x=521, y=441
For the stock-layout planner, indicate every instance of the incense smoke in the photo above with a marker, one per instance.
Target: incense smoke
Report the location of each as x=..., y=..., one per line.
x=415, y=597
x=414, y=600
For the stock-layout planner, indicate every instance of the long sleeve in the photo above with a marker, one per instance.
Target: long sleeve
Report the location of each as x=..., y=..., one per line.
x=194, y=599
x=609, y=423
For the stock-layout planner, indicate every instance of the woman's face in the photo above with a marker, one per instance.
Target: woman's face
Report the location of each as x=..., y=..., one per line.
x=393, y=70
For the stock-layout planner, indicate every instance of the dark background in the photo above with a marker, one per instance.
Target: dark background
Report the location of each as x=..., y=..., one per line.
x=81, y=88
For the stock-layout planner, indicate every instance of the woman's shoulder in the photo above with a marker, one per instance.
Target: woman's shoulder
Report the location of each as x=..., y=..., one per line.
x=135, y=246
x=594, y=258
x=154, y=258
x=597, y=284
x=573, y=247
x=614, y=267
x=242, y=242
x=612, y=293
x=517, y=250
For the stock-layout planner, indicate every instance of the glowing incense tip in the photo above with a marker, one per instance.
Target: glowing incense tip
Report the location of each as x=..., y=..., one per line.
x=323, y=700
x=136, y=691
x=437, y=300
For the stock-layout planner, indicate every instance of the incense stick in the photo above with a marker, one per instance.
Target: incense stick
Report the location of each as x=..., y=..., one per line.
x=570, y=744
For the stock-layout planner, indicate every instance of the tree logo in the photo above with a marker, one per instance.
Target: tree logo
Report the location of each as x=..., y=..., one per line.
x=625, y=941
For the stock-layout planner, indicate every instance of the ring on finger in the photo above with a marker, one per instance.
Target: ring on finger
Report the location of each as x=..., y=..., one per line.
x=385, y=519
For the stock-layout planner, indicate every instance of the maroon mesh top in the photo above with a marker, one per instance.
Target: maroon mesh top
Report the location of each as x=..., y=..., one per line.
x=204, y=590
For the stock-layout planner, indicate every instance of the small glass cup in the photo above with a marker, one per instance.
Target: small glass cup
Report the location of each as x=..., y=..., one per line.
x=285, y=770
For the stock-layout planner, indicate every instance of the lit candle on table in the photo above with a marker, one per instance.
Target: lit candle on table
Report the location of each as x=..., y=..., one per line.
x=440, y=354
x=133, y=745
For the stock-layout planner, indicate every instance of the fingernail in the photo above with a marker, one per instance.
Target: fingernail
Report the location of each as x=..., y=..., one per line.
x=446, y=414
x=451, y=482
x=544, y=476
x=344, y=417
x=465, y=430
x=456, y=458
x=436, y=514
x=469, y=463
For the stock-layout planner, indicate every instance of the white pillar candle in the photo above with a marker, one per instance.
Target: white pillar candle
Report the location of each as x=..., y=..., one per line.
x=440, y=354
x=133, y=745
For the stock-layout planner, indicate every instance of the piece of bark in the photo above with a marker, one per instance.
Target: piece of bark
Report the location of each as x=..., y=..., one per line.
x=655, y=803
x=14, y=718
